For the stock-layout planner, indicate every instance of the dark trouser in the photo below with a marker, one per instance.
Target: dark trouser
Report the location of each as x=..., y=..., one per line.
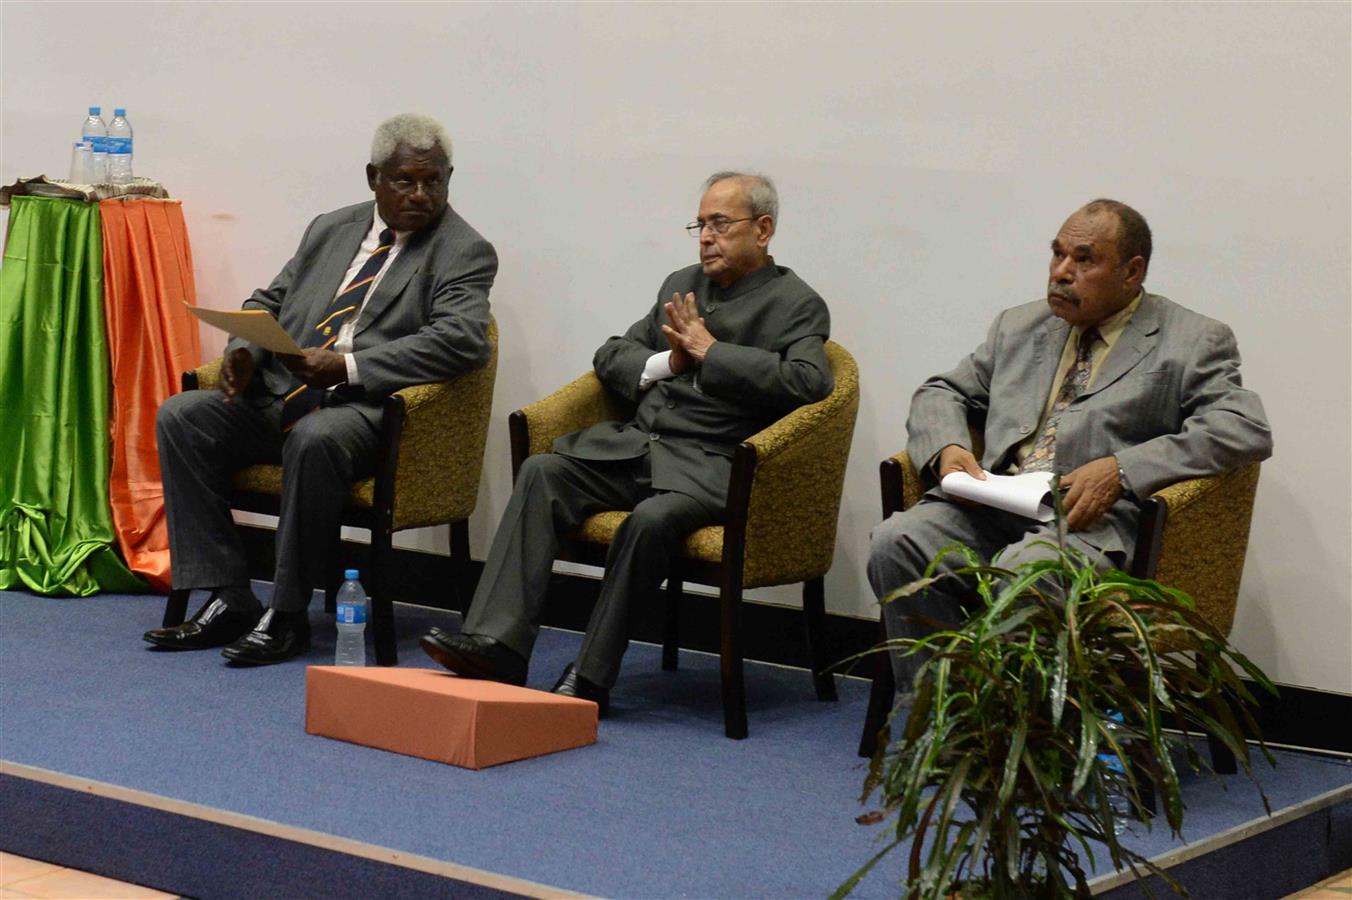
x=203, y=440
x=553, y=495
x=904, y=545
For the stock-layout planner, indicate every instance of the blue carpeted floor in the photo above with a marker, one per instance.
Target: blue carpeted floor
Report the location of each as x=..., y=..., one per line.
x=663, y=805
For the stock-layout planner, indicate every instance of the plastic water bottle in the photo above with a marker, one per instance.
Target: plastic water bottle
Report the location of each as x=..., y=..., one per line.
x=95, y=133
x=1117, y=774
x=351, y=622
x=119, y=148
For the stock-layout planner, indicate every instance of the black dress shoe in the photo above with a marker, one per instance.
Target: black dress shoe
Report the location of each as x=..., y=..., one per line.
x=571, y=684
x=214, y=625
x=475, y=656
x=276, y=638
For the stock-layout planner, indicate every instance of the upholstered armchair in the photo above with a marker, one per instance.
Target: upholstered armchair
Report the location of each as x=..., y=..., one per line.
x=1192, y=536
x=780, y=528
x=431, y=455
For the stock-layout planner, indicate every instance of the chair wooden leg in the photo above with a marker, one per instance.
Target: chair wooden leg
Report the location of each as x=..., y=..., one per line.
x=1146, y=786
x=460, y=570
x=671, y=637
x=882, y=696
x=331, y=588
x=381, y=606
x=814, y=616
x=175, y=608
x=730, y=655
x=1223, y=760
x=333, y=580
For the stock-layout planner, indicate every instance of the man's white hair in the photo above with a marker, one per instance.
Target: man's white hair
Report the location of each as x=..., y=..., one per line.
x=411, y=130
x=760, y=191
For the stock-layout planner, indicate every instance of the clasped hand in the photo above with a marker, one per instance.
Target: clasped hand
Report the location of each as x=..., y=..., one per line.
x=685, y=333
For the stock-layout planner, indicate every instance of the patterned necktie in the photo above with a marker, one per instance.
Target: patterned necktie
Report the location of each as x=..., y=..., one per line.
x=303, y=400
x=1043, y=455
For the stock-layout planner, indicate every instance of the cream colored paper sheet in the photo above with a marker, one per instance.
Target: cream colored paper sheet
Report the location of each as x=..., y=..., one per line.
x=253, y=325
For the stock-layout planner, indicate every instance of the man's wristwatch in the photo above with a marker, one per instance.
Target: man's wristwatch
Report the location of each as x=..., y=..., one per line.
x=1122, y=482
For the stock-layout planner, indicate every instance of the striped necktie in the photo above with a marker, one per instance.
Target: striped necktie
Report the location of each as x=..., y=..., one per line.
x=304, y=400
x=1042, y=458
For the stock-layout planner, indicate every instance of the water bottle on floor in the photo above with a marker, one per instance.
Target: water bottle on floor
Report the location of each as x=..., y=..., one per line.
x=351, y=621
x=119, y=148
x=1117, y=774
x=95, y=132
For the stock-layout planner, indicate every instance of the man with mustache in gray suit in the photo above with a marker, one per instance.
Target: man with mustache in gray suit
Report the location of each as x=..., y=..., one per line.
x=1118, y=390
x=730, y=346
x=380, y=295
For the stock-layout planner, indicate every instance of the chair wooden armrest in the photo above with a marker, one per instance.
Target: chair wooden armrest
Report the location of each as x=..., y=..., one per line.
x=205, y=377
x=579, y=404
x=900, y=483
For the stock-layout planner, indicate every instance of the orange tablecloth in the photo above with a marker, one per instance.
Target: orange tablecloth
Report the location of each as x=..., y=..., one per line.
x=152, y=339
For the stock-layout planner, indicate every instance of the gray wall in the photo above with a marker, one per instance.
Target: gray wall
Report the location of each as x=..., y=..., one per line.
x=926, y=154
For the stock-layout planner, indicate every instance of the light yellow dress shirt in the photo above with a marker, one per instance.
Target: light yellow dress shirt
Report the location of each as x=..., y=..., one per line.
x=1110, y=329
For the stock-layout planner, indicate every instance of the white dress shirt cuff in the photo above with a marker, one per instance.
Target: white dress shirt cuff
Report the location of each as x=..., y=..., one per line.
x=352, y=376
x=656, y=369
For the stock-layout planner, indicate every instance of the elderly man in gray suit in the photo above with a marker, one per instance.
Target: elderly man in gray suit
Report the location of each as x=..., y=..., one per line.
x=731, y=345
x=380, y=296
x=1119, y=391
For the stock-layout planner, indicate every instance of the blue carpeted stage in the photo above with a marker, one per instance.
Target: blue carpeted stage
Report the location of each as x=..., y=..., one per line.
x=207, y=775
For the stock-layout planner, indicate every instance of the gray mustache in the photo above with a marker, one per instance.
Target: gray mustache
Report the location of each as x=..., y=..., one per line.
x=1064, y=294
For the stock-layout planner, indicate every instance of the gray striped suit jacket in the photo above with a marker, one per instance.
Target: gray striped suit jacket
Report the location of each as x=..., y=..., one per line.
x=426, y=321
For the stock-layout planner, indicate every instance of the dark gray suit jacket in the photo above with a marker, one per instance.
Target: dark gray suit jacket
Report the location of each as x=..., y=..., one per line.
x=1168, y=402
x=426, y=321
x=768, y=359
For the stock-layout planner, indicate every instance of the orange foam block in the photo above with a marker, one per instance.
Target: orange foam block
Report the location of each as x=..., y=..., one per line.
x=438, y=716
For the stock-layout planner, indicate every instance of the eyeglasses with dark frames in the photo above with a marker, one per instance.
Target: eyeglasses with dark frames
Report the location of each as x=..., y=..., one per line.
x=407, y=186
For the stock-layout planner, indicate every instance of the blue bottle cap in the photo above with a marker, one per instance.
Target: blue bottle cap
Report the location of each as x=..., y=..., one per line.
x=119, y=111
x=95, y=110
x=350, y=574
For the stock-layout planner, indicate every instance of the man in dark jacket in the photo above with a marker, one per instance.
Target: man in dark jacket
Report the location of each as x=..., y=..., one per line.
x=731, y=345
x=380, y=296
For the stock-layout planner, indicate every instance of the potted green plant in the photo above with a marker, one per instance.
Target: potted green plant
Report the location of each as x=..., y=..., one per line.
x=1001, y=776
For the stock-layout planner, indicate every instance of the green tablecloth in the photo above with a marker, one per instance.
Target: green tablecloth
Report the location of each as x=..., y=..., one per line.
x=56, y=533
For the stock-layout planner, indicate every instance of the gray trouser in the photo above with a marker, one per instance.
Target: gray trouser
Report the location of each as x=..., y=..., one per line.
x=553, y=495
x=904, y=545
x=203, y=440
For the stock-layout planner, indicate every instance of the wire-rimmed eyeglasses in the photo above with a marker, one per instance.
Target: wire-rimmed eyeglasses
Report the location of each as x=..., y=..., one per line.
x=719, y=225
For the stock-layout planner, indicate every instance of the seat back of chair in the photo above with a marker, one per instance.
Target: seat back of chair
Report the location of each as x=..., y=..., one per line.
x=441, y=450
x=794, y=504
x=579, y=404
x=1206, y=536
